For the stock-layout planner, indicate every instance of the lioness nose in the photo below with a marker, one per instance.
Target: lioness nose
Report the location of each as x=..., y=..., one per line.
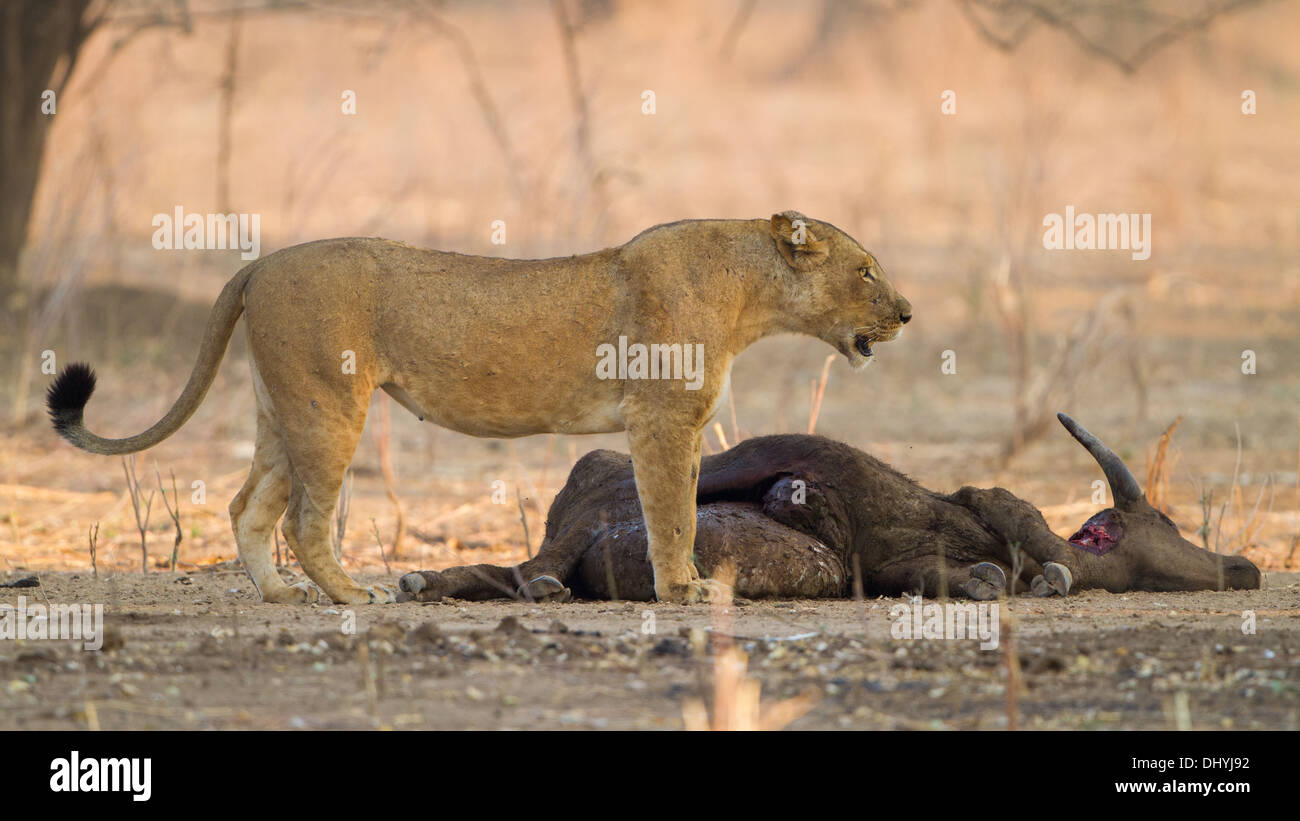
x=904, y=311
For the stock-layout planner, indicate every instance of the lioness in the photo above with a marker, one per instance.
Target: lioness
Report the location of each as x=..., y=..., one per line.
x=504, y=348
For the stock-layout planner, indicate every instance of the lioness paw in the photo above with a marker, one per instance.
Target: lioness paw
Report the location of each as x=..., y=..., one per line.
x=372, y=594
x=697, y=591
x=299, y=593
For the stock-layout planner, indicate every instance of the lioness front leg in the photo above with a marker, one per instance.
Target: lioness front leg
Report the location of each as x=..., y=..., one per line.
x=666, y=464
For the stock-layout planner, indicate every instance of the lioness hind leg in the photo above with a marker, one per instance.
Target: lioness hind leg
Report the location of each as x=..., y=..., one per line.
x=320, y=443
x=320, y=413
x=254, y=512
x=306, y=528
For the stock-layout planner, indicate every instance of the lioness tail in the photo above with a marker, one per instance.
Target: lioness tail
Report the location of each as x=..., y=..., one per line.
x=67, y=396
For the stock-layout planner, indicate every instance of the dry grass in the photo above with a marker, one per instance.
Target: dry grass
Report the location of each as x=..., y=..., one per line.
x=141, y=505
x=735, y=696
x=1159, y=468
x=1013, y=678
x=817, y=392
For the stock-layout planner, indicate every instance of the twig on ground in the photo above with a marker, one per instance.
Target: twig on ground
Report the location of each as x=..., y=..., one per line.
x=141, y=520
x=380, y=541
x=528, y=541
x=174, y=513
x=93, y=534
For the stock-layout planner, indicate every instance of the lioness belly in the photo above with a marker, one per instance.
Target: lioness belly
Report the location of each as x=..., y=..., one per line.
x=505, y=405
x=500, y=348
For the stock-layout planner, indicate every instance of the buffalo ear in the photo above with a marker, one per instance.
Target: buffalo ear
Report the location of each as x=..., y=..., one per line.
x=796, y=241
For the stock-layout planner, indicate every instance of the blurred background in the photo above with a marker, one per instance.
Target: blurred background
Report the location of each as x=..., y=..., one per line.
x=937, y=132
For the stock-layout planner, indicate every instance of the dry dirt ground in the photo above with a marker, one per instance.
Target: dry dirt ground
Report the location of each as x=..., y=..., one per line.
x=197, y=651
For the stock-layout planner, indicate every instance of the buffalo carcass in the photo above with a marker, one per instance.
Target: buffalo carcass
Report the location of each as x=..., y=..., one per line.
x=801, y=516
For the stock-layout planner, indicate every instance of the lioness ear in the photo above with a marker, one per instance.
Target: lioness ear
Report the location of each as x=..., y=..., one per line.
x=796, y=242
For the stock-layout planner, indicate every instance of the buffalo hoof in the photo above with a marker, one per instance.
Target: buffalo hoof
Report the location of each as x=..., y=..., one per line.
x=417, y=587
x=1055, y=581
x=545, y=589
x=987, y=582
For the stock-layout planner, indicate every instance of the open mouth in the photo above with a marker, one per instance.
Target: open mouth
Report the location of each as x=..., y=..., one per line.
x=1098, y=535
x=863, y=344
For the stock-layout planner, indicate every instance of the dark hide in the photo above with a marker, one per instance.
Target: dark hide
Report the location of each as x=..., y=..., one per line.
x=801, y=516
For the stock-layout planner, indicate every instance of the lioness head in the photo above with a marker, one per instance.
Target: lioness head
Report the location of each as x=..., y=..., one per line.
x=840, y=293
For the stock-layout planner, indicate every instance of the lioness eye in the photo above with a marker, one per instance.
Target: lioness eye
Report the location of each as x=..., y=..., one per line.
x=865, y=272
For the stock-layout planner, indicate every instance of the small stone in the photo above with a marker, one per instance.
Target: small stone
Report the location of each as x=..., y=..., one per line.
x=389, y=631
x=426, y=634
x=113, y=638
x=511, y=626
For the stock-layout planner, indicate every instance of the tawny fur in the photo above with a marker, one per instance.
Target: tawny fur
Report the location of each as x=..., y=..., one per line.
x=503, y=348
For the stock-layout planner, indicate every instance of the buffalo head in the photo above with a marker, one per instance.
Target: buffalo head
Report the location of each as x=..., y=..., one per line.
x=1133, y=546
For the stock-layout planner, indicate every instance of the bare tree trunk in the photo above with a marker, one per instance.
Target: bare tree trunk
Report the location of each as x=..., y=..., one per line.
x=593, y=183
x=227, y=107
x=39, y=43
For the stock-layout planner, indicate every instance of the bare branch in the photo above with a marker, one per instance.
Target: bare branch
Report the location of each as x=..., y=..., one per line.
x=1065, y=16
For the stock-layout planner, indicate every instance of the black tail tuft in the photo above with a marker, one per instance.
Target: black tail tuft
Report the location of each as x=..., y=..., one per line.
x=68, y=395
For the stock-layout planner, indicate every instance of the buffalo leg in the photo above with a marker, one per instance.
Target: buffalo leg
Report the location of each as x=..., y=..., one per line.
x=931, y=576
x=1021, y=525
x=541, y=578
